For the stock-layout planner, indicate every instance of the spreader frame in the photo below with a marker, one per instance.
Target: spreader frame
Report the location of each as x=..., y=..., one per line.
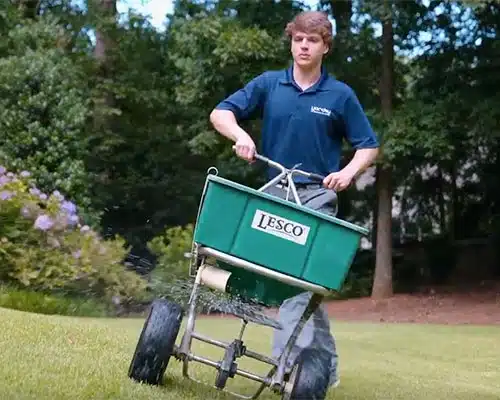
x=205, y=258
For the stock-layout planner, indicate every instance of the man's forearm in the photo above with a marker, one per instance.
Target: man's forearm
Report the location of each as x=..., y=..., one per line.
x=362, y=159
x=225, y=123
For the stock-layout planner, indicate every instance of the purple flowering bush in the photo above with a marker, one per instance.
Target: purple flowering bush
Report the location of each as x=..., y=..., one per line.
x=45, y=246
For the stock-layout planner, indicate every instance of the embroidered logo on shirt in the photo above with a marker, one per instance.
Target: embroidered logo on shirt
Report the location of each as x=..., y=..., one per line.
x=321, y=110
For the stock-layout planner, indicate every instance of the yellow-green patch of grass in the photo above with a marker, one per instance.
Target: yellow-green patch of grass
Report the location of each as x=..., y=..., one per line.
x=55, y=357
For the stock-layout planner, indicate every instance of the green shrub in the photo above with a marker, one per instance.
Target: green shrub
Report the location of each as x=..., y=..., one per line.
x=170, y=248
x=43, y=245
x=44, y=303
x=45, y=107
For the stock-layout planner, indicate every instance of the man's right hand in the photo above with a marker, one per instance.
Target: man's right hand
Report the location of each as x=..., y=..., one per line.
x=245, y=149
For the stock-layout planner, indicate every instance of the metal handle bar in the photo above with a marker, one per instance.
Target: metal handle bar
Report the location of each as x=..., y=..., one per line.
x=293, y=171
x=286, y=171
x=286, y=175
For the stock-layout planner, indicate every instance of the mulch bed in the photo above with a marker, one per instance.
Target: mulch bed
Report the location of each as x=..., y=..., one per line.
x=481, y=308
x=449, y=306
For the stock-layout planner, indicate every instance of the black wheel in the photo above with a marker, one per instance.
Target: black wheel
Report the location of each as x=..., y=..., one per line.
x=310, y=377
x=156, y=342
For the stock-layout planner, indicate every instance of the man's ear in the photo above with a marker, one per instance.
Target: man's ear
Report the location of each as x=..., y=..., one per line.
x=329, y=47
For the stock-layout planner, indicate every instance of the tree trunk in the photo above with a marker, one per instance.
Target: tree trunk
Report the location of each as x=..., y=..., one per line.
x=382, y=283
x=342, y=12
x=375, y=212
x=441, y=202
x=402, y=219
x=453, y=226
x=104, y=13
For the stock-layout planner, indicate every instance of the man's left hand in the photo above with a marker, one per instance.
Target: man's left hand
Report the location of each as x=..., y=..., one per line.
x=338, y=181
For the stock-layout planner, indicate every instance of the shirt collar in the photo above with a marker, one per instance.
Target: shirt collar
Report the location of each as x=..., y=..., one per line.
x=322, y=84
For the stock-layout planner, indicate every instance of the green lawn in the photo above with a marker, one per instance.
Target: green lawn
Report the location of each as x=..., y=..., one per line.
x=53, y=357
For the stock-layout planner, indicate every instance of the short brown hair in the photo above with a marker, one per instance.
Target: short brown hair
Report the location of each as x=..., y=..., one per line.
x=311, y=22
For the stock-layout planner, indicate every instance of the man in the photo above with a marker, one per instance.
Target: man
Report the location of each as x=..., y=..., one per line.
x=306, y=114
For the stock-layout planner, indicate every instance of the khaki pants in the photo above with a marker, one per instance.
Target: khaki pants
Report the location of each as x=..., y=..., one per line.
x=316, y=332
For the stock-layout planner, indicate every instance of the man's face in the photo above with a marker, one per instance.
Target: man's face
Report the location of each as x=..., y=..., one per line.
x=308, y=49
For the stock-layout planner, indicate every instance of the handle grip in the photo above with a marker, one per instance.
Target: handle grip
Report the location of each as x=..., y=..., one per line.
x=255, y=155
x=316, y=177
x=266, y=160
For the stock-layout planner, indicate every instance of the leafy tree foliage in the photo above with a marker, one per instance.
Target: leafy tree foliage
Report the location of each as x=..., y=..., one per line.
x=44, y=107
x=114, y=113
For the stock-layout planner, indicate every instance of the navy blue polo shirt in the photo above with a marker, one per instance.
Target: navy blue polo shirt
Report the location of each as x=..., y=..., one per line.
x=305, y=127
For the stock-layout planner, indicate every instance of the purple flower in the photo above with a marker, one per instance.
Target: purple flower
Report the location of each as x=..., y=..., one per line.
x=25, y=212
x=43, y=196
x=25, y=174
x=2, y=170
x=58, y=195
x=43, y=222
x=69, y=207
x=3, y=180
x=73, y=219
x=84, y=228
x=77, y=254
x=6, y=195
x=34, y=191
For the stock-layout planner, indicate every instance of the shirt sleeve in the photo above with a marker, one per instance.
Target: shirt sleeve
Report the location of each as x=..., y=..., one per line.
x=358, y=130
x=244, y=102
